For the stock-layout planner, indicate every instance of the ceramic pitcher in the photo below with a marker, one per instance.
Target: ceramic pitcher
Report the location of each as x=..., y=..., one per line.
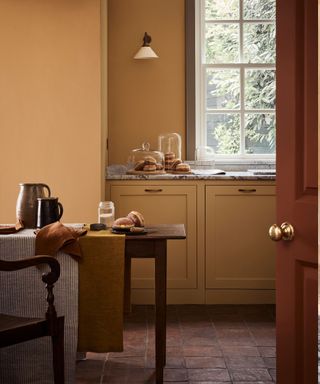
x=27, y=203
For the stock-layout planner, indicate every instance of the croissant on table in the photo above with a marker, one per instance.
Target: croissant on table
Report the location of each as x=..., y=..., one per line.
x=134, y=218
x=123, y=222
x=137, y=218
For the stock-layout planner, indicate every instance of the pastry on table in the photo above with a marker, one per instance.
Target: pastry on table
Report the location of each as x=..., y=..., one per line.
x=123, y=224
x=137, y=218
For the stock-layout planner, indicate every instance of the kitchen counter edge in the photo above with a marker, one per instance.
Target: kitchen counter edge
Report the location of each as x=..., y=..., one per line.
x=227, y=176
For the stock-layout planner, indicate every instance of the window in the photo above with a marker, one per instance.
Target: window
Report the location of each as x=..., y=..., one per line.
x=235, y=77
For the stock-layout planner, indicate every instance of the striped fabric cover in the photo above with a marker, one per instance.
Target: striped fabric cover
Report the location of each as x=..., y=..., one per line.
x=23, y=293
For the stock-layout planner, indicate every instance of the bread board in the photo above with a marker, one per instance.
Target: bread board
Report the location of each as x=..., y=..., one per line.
x=133, y=172
x=181, y=173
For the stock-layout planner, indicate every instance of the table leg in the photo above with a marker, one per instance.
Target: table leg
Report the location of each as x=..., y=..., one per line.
x=127, y=285
x=161, y=302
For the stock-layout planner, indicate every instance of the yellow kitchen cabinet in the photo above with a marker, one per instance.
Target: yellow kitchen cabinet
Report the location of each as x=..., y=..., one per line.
x=227, y=257
x=240, y=257
x=163, y=204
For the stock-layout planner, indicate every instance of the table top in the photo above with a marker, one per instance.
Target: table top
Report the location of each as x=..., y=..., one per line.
x=161, y=231
x=154, y=232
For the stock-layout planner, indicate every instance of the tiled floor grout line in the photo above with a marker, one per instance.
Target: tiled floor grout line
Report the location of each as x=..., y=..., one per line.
x=147, y=339
x=103, y=368
x=251, y=334
x=181, y=338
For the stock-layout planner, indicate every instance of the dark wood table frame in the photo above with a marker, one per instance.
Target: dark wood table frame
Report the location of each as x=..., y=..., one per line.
x=153, y=245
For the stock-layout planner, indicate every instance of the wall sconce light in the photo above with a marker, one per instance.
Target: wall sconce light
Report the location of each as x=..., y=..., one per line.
x=146, y=52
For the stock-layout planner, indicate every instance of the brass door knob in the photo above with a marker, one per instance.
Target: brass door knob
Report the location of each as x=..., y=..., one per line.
x=284, y=232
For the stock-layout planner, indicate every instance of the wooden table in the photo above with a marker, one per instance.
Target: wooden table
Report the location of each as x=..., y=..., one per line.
x=154, y=245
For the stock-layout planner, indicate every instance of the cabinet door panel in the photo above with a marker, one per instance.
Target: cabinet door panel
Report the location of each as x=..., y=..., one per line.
x=239, y=253
x=163, y=205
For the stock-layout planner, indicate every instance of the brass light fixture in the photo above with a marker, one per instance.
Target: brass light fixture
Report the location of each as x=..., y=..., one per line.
x=146, y=52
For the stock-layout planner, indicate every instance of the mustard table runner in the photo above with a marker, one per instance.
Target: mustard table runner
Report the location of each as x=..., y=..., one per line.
x=101, y=289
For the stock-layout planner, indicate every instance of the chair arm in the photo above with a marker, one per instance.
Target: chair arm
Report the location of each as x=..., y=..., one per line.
x=48, y=278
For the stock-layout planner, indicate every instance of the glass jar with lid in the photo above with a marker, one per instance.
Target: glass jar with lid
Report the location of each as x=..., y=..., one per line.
x=144, y=154
x=170, y=145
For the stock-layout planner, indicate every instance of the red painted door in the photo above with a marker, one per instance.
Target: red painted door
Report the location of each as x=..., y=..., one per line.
x=297, y=126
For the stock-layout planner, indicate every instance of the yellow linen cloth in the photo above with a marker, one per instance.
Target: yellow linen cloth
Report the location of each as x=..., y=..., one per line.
x=101, y=289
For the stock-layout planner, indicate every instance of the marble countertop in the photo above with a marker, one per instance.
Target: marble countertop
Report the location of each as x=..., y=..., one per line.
x=244, y=175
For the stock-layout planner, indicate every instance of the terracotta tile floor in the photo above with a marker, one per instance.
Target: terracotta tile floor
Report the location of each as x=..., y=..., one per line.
x=206, y=344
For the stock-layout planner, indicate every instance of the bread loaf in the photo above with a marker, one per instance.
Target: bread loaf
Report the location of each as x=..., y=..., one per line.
x=183, y=168
x=169, y=156
x=123, y=222
x=168, y=160
x=175, y=163
x=159, y=166
x=149, y=160
x=139, y=165
x=137, y=218
x=149, y=167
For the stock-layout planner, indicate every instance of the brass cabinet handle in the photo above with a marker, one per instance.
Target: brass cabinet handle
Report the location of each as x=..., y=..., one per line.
x=153, y=190
x=247, y=190
x=284, y=232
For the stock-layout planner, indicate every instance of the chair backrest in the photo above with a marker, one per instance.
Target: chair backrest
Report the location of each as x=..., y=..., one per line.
x=14, y=330
x=49, y=278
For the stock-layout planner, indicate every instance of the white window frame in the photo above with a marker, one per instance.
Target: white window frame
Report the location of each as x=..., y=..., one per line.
x=200, y=86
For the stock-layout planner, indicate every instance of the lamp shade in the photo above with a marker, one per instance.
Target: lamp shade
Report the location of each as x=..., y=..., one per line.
x=146, y=52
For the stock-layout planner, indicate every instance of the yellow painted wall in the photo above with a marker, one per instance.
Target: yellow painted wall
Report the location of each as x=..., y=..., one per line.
x=146, y=97
x=50, y=109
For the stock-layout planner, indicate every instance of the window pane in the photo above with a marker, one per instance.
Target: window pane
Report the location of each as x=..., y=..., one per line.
x=260, y=131
x=223, y=132
x=259, y=9
x=223, y=89
x=259, y=43
x=222, y=9
x=260, y=88
x=222, y=43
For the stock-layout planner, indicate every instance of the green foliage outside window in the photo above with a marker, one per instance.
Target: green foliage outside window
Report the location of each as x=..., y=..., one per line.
x=257, y=103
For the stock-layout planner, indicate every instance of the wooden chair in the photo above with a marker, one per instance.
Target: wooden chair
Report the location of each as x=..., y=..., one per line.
x=14, y=330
